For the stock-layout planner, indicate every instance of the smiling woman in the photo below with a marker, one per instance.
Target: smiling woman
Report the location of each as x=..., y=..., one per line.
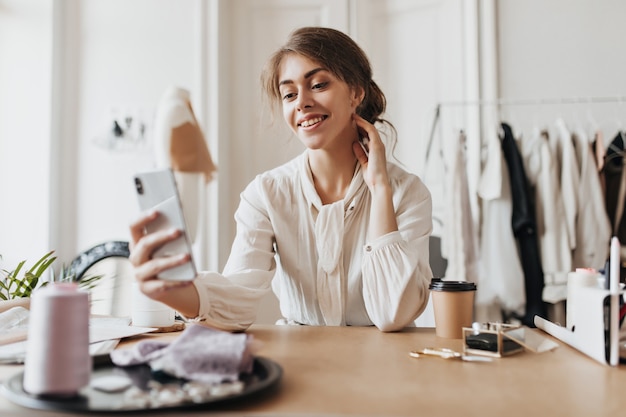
x=340, y=234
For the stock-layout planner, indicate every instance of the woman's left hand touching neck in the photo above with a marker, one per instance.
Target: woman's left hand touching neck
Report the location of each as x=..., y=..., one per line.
x=374, y=168
x=374, y=165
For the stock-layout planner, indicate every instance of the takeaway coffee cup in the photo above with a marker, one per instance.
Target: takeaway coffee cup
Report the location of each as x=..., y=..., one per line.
x=147, y=312
x=453, y=304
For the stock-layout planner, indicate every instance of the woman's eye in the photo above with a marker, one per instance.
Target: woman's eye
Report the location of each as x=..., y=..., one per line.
x=288, y=96
x=319, y=86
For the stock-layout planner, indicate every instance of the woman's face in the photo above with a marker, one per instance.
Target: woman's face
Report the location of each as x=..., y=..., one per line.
x=316, y=105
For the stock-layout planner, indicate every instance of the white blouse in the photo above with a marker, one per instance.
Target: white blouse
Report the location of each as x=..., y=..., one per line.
x=318, y=258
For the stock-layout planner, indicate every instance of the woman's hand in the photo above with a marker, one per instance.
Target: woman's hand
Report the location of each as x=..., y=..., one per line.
x=374, y=166
x=146, y=268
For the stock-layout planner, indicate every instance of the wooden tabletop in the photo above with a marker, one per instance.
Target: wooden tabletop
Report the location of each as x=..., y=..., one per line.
x=363, y=372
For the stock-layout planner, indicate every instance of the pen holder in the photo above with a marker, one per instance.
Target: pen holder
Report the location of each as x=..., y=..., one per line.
x=491, y=339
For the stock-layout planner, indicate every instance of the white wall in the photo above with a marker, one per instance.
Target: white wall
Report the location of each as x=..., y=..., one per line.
x=59, y=190
x=562, y=49
x=25, y=129
x=131, y=52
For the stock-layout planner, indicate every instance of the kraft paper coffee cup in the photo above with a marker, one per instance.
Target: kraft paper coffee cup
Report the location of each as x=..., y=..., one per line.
x=453, y=304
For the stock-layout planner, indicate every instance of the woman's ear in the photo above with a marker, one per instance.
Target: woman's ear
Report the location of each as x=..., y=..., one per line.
x=357, y=96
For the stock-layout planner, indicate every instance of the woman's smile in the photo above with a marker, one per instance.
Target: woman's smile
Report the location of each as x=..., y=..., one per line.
x=309, y=122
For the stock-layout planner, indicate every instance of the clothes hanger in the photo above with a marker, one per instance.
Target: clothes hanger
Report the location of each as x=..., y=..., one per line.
x=618, y=120
x=609, y=139
x=615, y=152
x=593, y=124
x=535, y=120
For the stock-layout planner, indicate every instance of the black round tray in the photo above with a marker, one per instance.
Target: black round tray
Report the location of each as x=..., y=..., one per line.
x=266, y=374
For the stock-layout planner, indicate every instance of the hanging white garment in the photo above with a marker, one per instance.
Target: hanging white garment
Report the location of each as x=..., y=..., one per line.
x=501, y=279
x=569, y=177
x=593, y=229
x=556, y=256
x=459, y=243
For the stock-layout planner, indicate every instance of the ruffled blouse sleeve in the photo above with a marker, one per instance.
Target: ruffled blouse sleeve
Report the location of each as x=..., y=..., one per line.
x=230, y=300
x=396, y=268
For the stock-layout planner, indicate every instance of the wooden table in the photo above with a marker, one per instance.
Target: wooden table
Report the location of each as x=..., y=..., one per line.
x=364, y=372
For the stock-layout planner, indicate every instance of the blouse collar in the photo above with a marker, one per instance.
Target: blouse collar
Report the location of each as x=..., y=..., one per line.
x=356, y=188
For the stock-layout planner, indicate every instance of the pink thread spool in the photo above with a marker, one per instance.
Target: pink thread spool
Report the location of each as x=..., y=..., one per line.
x=57, y=355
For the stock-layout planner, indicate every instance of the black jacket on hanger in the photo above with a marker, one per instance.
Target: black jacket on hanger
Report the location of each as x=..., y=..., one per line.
x=613, y=170
x=524, y=227
x=615, y=191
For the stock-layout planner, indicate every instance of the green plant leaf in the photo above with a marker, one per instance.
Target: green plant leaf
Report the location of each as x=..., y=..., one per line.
x=25, y=286
x=42, y=264
x=17, y=270
x=4, y=290
x=19, y=284
x=89, y=282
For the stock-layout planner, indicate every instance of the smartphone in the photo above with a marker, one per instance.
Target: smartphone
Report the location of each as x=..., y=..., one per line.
x=157, y=190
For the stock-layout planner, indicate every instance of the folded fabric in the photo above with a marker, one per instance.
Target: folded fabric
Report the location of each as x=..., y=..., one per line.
x=200, y=353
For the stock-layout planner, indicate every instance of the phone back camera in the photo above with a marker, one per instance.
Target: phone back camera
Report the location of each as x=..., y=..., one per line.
x=138, y=186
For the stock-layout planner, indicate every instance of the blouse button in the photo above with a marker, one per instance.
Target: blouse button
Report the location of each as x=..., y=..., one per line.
x=368, y=248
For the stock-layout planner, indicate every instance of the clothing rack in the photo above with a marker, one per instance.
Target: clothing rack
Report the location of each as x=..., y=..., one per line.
x=516, y=102
x=534, y=101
